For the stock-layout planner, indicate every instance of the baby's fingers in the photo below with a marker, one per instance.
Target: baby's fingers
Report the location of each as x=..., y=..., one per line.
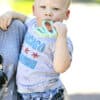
x=61, y=28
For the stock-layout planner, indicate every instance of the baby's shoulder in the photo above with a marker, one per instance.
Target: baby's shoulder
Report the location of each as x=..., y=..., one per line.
x=30, y=21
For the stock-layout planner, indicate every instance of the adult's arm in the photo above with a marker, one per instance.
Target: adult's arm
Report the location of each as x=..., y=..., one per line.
x=6, y=18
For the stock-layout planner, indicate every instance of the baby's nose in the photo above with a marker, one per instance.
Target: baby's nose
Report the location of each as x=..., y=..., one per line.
x=48, y=12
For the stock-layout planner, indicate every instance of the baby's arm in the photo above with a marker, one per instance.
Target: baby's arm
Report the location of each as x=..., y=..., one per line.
x=62, y=58
x=7, y=17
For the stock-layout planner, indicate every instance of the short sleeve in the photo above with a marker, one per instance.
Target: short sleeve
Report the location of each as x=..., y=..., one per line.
x=30, y=21
x=70, y=46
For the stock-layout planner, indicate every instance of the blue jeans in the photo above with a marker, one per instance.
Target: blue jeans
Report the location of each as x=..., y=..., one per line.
x=56, y=94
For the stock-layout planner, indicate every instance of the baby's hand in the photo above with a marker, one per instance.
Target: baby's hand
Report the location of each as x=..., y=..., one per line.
x=61, y=29
x=5, y=20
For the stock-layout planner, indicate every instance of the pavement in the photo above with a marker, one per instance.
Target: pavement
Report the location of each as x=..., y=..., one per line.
x=85, y=97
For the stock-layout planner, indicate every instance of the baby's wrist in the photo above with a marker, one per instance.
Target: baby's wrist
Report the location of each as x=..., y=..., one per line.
x=61, y=35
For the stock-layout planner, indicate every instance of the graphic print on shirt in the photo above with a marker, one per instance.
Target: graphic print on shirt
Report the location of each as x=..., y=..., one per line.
x=31, y=50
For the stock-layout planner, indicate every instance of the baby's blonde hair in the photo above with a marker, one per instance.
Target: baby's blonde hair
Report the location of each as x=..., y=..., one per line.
x=67, y=3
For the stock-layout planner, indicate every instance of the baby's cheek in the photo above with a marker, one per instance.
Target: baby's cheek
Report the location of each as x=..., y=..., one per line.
x=57, y=19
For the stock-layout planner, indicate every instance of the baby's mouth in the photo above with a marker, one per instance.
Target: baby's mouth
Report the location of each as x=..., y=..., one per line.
x=48, y=20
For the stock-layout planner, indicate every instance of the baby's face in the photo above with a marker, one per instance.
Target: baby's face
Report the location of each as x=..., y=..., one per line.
x=54, y=10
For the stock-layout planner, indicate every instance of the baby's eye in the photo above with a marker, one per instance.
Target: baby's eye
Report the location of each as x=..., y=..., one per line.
x=56, y=9
x=43, y=7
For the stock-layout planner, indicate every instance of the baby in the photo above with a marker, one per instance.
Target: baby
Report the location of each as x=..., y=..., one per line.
x=43, y=57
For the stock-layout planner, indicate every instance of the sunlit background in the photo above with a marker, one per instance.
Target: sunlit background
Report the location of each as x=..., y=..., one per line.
x=83, y=77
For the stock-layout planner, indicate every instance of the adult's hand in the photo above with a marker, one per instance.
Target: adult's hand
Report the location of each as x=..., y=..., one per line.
x=5, y=20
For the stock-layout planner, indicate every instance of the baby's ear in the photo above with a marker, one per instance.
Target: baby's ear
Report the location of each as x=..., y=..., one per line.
x=33, y=9
x=67, y=13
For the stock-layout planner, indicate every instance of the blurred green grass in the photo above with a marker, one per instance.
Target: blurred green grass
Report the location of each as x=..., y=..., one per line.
x=23, y=6
x=97, y=1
